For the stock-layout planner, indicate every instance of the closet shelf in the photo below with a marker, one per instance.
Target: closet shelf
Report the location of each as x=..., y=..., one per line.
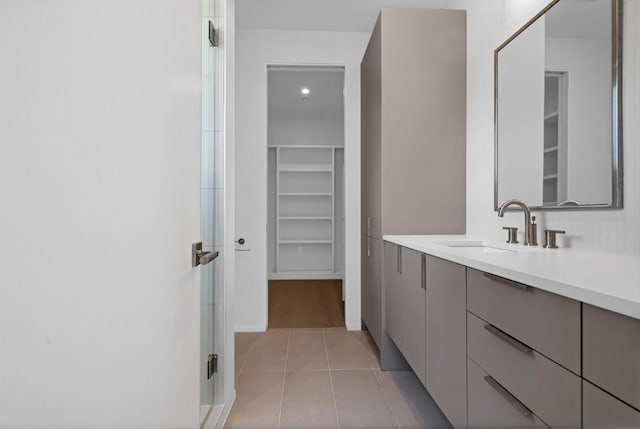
x=305, y=194
x=305, y=218
x=549, y=176
x=305, y=168
x=551, y=149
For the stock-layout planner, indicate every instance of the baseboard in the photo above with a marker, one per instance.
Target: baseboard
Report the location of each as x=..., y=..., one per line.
x=213, y=417
x=354, y=327
x=250, y=328
x=225, y=412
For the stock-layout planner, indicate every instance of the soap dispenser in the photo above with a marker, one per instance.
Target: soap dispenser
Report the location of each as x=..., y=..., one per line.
x=533, y=232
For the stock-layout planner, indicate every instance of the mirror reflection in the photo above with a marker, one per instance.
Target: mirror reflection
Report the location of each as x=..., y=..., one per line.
x=556, y=120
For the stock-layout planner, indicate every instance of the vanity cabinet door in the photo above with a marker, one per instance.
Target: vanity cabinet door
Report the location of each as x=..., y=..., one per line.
x=413, y=311
x=611, y=352
x=393, y=292
x=371, y=303
x=372, y=290
x=446, y=336
x=601, y=410
x=365, y=290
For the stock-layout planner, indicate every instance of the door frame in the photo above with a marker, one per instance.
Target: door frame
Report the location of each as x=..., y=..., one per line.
x=351, y=271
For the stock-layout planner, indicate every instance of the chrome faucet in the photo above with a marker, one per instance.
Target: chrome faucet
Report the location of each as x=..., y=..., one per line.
x=528, y=238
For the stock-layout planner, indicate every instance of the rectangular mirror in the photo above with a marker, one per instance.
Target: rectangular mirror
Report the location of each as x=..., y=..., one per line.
x=558, y=107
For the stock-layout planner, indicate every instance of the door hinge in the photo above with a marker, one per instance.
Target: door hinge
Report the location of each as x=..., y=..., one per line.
x=213, y=35
x=212, y=365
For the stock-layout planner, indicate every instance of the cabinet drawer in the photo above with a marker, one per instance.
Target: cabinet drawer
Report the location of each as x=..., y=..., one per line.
x=611, y=353
x=491, y=407
x=602, y=410
x=545, y=321
x=549, y=390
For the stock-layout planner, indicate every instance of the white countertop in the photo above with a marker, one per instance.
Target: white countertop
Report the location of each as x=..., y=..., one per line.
x=604, y=280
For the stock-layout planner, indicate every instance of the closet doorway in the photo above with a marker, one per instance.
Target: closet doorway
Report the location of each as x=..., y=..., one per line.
x=305, y=192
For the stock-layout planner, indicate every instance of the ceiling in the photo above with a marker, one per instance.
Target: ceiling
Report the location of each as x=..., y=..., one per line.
x=569, y=18
x=319, y=15
x=326, y=98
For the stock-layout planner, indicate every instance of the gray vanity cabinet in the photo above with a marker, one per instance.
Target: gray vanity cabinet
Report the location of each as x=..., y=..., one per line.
x=371, y=296
x=544, y=387
x=446, y=337
x=413, y=116
x=393, y=292
x=611, y=352
x=528, y=342
x=425, y=316
x=413, y=310
x=547, y=322
x=601, y=410
x=413, y=128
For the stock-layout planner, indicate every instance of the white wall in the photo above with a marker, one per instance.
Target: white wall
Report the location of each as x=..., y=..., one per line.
x=520, y=118
x=307, y=132
x=489, y=24
x=100, y=142
x=588, y=65
x=255, y=50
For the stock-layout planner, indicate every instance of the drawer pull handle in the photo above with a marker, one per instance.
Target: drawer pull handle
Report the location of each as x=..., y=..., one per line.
x=508, y=338
x=508, y=396
x=506, y=281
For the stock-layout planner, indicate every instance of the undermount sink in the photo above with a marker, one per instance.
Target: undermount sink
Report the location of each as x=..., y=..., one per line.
x=477, y=245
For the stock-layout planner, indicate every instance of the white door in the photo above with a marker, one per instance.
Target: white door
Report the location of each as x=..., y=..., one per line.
x=100, y=125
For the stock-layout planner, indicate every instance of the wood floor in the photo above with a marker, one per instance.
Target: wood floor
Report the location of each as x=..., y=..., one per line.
x=305, y=304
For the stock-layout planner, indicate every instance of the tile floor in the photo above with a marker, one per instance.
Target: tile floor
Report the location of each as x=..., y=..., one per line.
x=323, y=378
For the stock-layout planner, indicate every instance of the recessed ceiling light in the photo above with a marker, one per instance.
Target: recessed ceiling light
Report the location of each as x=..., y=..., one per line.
x=305, y=91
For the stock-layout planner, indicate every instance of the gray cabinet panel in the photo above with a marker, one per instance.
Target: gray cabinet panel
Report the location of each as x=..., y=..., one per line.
x=371, y=135
x=365, y=273
x=611, y=352
x=423, y=121
x=488, y=408
x=372, y=291
x=417, y=125
x=393, y=292
x=371, y=285
x=549, y=390
x=601, y=410
x=547, y=322
x=446, y=338
x=413, y=312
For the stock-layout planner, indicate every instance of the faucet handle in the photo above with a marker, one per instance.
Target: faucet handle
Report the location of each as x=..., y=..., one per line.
x=513, y=234
x=550, y=238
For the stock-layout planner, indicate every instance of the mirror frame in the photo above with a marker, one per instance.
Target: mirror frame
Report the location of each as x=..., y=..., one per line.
x=617, y=191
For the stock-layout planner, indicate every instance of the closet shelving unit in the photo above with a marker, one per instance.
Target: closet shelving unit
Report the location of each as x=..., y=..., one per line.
x=305, y=210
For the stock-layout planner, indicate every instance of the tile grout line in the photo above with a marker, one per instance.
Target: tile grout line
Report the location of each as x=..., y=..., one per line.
x=246, y=355
x=393, y=413
x=284, y=377
x=333, y=392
